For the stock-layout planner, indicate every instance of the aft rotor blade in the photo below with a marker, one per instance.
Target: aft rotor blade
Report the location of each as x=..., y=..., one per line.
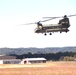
x=71, y=15
x=60, y=16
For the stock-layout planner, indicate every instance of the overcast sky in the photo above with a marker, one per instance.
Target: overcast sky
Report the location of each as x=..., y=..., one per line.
x=14, y=13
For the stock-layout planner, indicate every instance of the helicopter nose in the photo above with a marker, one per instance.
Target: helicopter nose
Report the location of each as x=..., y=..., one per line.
x=35, y=30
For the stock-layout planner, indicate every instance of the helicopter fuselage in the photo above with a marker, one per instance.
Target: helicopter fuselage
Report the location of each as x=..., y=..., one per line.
x=52, y=28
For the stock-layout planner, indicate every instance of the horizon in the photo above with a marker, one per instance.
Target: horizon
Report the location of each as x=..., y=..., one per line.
x=39, y=47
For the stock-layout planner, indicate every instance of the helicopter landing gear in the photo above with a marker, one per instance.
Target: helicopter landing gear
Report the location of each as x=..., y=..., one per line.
x=45, y=34
x=66, y=30
x=50, y=34
x=60, y=31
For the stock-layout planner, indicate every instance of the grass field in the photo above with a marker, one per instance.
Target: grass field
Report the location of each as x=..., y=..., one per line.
x=49, y=68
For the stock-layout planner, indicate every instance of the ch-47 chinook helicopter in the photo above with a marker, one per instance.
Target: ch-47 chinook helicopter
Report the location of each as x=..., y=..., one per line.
x=62, y=26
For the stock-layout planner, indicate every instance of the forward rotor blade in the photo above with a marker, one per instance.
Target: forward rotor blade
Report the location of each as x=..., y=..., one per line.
x=49, y=19
x=29, y=23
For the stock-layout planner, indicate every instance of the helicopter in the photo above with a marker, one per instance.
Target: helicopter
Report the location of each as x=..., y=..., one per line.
x=62, y=26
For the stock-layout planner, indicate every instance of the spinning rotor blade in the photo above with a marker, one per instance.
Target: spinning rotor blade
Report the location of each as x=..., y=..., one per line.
x=52, y=17
x=31, y=23
x=49, y=19
x=60, y=16
x=71, y=15
x=28, y=23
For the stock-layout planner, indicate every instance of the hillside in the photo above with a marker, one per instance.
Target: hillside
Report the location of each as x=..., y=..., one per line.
x=20, y=51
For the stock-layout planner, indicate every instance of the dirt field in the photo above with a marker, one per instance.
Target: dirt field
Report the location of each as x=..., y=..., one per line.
x=49, y=68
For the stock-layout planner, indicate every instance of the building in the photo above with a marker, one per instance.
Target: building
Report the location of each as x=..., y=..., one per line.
x=13, y=60
x=10, y=61
x=7, y=57
x=33, y=60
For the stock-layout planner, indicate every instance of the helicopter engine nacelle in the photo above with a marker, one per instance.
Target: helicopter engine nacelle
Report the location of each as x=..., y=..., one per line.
x=65, y=24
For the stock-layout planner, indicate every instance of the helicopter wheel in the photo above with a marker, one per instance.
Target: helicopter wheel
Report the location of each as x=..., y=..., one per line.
x=50, y=34
x=45, y=34
x=60, y=31
x=66, y=30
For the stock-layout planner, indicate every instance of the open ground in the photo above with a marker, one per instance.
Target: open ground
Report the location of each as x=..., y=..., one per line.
x=48, y=68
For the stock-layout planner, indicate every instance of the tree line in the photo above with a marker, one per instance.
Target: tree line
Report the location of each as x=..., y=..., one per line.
x=65, y=56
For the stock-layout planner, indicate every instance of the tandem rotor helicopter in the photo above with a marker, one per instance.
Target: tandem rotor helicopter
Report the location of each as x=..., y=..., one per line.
x=62, y=26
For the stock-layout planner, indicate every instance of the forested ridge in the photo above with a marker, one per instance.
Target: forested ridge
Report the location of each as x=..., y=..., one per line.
x=50, y=53
x=20, y=51
x=65, y=56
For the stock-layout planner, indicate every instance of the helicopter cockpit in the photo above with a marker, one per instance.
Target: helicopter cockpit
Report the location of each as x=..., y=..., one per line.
x=39, y=25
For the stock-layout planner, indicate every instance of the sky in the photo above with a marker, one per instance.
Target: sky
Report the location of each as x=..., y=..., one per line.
x=15, y=13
